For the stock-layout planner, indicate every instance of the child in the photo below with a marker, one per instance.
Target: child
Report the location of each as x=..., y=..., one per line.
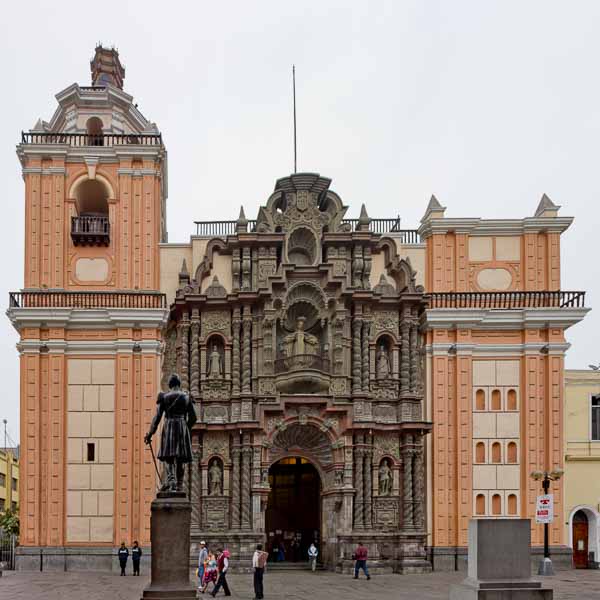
x=210, y=572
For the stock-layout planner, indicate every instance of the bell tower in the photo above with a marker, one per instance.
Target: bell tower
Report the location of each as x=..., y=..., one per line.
x=90, y=316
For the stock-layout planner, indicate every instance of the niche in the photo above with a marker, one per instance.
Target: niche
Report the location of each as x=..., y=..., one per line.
x=480, y=452
x=496, y=504
x=384, y=357
x=496, y=452
x=511, y=400
x=480, y=400
x=215, y=358
x=496, y=400
x=215, y=477
x=480, y=504
x=94, y=131
x=511, y=453
x=512, y=504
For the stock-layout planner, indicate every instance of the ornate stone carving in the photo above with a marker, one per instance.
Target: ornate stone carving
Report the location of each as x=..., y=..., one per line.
x=216, y=389
x=385, y=321
x=384, y=287
x=359, y=487
x=338, y=387
x=385, y=389
x=215, y=367
x=338, y=477
x=384, y=413
x=385, y=477
x=216, y=289
x=215, y=478
x=235, y=487
x=184, y=329
x=215, y=513
x=235, y=355
x=246, y=354
x=366, y=379
x=357, y=267
x=266, y=387
x=195, y=358
x=215, y=414
x=386, y=512
x=305, y=439
x=246, y=270
x=405, y=351
x=216, y=443
x=387, y=444
x=384, y=369
x=246, y=466
x=356, y=352
x=216, y=321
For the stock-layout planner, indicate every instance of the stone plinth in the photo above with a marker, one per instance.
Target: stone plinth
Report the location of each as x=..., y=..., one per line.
x=170, y=536
x=499, y=564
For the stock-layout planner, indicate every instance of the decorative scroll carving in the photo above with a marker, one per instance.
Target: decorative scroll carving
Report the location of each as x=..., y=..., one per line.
x=405, y=351
x=266, y=387
x=356, y=351
x=338, y=387
x=385, y=389
x=267, y=328
x=195, y=356
x=215, y=321
x=386, y=512
x=246, y=270
x=383, y=321
x=365, y=356
x=216, y=443
x=235, y=355
x=338, y=346
x=387, y=444
x=215, y=413
x=215, y=513
x=236, y=268
x=366, y=276
x=305, y=439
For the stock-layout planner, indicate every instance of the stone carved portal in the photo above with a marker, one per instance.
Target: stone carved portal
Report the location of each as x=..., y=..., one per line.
x=304, y=440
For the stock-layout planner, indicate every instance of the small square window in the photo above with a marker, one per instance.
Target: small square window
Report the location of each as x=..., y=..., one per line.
x=91, y=452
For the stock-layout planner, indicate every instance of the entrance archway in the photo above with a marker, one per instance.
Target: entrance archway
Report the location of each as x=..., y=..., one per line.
x=580, y=540
x=293, y=515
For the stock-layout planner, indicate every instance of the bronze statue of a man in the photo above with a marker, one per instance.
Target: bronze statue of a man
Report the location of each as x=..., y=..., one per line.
x=175, y=442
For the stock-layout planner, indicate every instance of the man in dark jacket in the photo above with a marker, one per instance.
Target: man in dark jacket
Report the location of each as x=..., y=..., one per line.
x=123, y=554
x=136, y=554
x=175, y=441
x=360, y=556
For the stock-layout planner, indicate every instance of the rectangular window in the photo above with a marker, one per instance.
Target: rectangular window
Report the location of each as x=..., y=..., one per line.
x=91, y=451
x=14, y=506
x=596, y=417
x=2, y=504
x=15, y=484
x=2, y=480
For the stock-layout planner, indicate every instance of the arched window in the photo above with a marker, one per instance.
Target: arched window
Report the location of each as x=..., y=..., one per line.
x=496, y=401
x=512, y=504
x=480, y=504
x=92, y=198
x=511, y=453
x=511, y=400
x=480, y=400
x=496, y=452
x=94, y=131
x=480, y=452
x=496, y=504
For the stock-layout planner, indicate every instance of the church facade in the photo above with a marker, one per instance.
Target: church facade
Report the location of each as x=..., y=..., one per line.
x=352, y=380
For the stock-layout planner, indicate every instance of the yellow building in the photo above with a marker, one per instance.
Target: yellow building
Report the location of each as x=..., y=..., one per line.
x=9, y=480
x=582, y=464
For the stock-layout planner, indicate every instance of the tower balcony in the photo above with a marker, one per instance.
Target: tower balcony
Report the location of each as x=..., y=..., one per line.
x=87, y=300
x=507, y=300
x=90, y=230
x=302, y=373
x=86, y=139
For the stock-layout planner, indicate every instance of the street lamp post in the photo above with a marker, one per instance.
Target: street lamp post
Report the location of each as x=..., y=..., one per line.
x=545, y=567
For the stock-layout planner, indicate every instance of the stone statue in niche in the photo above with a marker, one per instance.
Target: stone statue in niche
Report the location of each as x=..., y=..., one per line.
x=383, y=363
x=338, y=477
x=215, y=370
x=385, y=479
x=300, y=343
x=215, y=478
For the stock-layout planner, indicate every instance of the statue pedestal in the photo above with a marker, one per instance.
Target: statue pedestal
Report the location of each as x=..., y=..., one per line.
x=170, y=538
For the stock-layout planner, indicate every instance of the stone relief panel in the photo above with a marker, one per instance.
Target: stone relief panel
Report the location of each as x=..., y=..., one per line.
x=218, y=321
x=386, y=512
x=386, y=444
x=216, y=443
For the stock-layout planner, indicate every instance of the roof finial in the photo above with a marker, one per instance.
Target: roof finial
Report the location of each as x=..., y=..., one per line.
x=364, y=220
x=546, y=208
x=184, y=275
x=242, y=222
x=434, y=210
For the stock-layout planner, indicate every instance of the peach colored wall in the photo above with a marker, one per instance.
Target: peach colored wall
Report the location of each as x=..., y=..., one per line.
x=135, y=221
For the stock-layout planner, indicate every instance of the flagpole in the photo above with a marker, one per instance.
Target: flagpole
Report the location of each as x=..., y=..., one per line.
x=294, y=89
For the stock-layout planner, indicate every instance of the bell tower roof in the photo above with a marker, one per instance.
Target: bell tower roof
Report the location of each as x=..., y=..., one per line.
x=107, y=68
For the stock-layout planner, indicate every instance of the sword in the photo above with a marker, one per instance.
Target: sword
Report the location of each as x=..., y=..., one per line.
x=154, y=461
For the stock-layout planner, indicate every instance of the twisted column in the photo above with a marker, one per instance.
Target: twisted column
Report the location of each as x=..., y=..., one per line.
x=419, y=487
x=184, y=329
x=235, y=356
x=246, y=354
x=368, y=461
x=195, y=356
x=366, y=327
x=405, y=351
x=356, y=350
x=359, y=487
x=407, y=459
x=196, y=486
x=246, y=499
x=235, y=487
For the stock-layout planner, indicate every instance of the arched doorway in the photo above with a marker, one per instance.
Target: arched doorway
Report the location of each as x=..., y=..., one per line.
x=293, y=515
x=580, y=540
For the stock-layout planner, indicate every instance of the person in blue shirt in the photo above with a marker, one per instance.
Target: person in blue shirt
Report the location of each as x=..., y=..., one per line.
x=123, y=555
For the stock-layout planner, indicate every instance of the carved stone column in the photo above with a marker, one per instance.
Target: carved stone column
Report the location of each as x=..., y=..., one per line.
x=235, y=353
x=357, y=267
x=407, y=488
x=196, y=486
x=246, y=270
x=419, y=486
x=366, y=328
x=246, y=498
x=405, y=351
x=414, y=353
x=358, y=484
x=356, y=352
x=367, y=269
x=195, y=356
x=368, y=466
x=235, y=485
x=184, y=331
x=235, y=270
x=246, y=352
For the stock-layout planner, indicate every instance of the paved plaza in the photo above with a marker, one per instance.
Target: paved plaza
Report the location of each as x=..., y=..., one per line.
x=582, y=585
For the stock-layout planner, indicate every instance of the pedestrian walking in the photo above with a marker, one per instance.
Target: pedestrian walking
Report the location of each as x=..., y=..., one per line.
x=202, y=559
x=223, y=567
x=312, y=556
x=136, y=555
x=123, y=555
x=259, y=562
x=360, y=556
x=210, y=572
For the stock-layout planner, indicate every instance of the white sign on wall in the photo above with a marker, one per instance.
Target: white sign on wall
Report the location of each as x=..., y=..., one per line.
x=544, y=510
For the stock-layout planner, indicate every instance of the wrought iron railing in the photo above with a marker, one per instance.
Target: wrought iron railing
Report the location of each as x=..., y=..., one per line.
x=300, y=362
x=52, y=299
x=390, y=226
x=507, y=300
x=90, y=229
x=85, y=139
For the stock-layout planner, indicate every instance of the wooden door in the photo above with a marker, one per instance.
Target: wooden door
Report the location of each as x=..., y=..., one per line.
x=580, y=540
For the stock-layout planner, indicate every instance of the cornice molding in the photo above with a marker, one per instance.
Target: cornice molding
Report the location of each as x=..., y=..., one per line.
x=76, y=318
x=529, y=348
x=122, y=346
x=526, y=318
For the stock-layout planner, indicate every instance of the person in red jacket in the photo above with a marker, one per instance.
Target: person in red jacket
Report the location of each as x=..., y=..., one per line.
x=223, y=567
x=360, y=557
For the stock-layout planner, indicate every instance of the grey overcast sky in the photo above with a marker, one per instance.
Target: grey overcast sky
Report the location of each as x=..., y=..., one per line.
x=487, y=105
